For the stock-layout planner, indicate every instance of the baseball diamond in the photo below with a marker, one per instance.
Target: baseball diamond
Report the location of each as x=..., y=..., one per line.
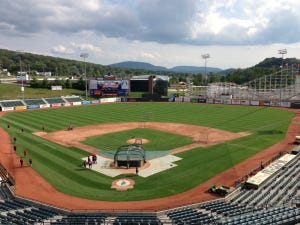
x=227, y=142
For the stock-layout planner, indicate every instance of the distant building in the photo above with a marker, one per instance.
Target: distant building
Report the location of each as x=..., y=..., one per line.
x=146, y=83
x=22, y=76
x=5, y=72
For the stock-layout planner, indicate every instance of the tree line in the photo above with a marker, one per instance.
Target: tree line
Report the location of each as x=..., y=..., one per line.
x=61, y=67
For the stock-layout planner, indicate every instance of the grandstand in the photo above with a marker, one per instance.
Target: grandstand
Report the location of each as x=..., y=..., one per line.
x=273, y=202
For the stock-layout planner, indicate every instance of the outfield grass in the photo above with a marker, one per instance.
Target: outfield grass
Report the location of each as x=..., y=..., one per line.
x=62, y=166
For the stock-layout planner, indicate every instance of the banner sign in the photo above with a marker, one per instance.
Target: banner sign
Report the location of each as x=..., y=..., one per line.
x=7, y=108
x=45, y=106
x=54, y=105
x=33, y=107
x=20, y=107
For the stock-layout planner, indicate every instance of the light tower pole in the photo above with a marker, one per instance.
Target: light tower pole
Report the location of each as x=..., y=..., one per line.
x=21, y=75
x=205, y=57
x=84, y=56
x=282, y=52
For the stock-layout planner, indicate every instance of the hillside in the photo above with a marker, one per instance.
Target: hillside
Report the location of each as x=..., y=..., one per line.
x=176, y=69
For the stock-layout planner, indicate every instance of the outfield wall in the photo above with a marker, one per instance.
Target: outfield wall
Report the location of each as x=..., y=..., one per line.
x=177, y=99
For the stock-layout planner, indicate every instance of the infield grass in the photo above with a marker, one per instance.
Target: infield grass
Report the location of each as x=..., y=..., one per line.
x=61, y=166
x=158, y=140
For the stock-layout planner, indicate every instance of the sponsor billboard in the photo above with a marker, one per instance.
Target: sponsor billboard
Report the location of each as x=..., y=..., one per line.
x=33, y=107
x=111, y=88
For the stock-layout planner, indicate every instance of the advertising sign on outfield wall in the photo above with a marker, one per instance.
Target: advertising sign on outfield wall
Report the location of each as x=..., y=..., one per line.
x=254, y=102
x=45, y=106
x=33, y=107
x=7, y=108
x=55, y=105
x=68, y=104
x=285, y=104
x=210, y=101
x=20, y=107
x=275, y=103
x=95, y=102
x=76, y=103
x=202, y=100
x=217, y=101
x=227, y=101
x=244, y=102
x=236, y=102
x=86, y=102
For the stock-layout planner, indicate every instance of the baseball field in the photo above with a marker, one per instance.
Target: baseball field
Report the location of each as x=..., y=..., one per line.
x=61, y=165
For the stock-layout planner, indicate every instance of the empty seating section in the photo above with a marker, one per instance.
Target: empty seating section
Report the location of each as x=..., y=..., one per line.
x=276, y=215
x=83, y=219
x=54, y=100
x=74, y=99
x=20, y=212
x=34, y=102
x=190, y=216
x=281, y=188
x=271, y=203
x=137, y=219
x=11, y=103
x=226, y=209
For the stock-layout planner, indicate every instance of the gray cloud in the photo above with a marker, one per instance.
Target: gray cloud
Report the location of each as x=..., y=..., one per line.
x=162, y=21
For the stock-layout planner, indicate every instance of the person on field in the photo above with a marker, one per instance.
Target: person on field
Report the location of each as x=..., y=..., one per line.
x=15, y=148
x=90, y=164
x=22, y=129
x=21, y=161
x=8, y=126
x=94, y=158
x=30, y=161
x=136, y=170
x=15, y=139
x=84, y=163
x=25, y=152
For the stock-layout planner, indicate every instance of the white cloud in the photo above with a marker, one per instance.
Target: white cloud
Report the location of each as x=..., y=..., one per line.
x=62, y=50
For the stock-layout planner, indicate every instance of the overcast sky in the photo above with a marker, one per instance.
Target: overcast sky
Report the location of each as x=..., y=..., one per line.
x=235, y=33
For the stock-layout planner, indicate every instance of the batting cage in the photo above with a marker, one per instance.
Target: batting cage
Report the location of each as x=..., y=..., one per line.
x=132, y=155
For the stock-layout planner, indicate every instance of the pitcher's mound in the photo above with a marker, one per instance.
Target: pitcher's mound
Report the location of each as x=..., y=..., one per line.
x=133, y=141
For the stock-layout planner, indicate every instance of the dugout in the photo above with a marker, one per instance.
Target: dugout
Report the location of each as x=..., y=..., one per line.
x=132, y=155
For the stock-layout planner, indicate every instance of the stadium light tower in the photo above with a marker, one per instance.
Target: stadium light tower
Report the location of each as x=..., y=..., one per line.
x=84, y=56
x=205, y=57
x=282, y=52
x=21, y=75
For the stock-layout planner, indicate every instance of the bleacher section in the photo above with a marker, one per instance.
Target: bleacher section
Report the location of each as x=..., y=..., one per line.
x=83, y=219
x=11, y=103
x=137, y=219
x=73, y=99
x=55, y=100
x=190, y=216
x=34, y=101
x=277, y=215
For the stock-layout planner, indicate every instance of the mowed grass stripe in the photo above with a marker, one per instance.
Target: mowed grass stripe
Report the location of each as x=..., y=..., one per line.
x=268, y=126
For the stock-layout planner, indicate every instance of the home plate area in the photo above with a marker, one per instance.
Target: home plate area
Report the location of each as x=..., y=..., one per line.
x=153, y=166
